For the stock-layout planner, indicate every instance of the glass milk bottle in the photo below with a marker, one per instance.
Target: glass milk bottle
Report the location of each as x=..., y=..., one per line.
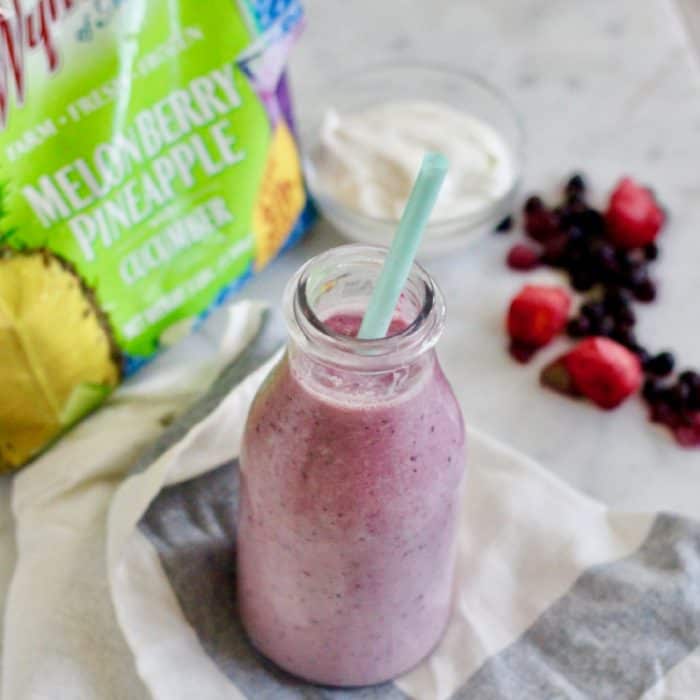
x=352, y=460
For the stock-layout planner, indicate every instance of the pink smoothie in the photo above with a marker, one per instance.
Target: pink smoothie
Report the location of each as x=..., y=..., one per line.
x=347, y=523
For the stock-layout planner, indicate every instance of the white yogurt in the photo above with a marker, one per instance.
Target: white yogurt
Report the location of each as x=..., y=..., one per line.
x=369, y=159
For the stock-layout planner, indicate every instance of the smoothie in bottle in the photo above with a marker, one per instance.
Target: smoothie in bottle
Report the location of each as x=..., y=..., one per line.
x=352, y=460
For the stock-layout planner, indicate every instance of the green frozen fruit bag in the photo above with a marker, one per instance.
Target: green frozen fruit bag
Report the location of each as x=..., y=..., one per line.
x=149, y=167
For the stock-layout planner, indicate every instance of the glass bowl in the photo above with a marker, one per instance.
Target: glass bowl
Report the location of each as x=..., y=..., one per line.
x=462, y=91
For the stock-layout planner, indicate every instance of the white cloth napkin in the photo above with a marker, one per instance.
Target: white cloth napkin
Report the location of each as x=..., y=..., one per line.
x=122, y=586
x=61, y=638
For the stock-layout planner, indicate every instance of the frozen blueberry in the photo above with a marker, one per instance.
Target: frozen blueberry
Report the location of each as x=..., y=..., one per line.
x=661, y=364
x=642, y=353
x=593, y=310
x=575, y=233
x=582, y=279
x=645, y=291
x=606, y=326
x=663, y=412
x=651, y=251
x=605, y=255
x=533, y=204
x=505, y=225
x=555, y=250
x=578, y=327
x=692, y=380
x=592, y=222
x=617, y=298
x=625, y=335
x=690, y=377
x=636, y=276
x=575, y=186
x=679, y=396
x=652, y=390
x=625, y=316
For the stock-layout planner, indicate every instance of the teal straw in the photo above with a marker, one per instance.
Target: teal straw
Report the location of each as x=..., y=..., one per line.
x=404, y=247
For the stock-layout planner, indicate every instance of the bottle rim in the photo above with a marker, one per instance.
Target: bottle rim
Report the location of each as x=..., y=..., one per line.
x=310, y=334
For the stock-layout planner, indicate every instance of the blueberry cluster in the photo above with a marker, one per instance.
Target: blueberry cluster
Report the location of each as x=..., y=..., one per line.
x=675, y=404
x=573, y=236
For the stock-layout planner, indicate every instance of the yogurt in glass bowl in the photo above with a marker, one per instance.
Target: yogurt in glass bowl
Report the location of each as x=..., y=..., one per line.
x=362, y=152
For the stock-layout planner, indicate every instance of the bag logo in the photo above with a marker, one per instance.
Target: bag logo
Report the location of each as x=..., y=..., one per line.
x=21, y=32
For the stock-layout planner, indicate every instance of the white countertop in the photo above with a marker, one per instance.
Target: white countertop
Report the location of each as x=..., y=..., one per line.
x=608, y=88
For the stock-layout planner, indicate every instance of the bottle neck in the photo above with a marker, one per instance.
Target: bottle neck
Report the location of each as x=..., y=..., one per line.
x=352, y=385
x=337, y=285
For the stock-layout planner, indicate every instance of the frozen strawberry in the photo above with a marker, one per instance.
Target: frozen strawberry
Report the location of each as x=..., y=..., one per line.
x=522, y=257
x=687, y=431
x=599, y=368
x=634, y=218
x=537, y=314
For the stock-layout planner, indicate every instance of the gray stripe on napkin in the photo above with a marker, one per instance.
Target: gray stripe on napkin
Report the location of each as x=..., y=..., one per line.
x=192, y=525
x=620, y=628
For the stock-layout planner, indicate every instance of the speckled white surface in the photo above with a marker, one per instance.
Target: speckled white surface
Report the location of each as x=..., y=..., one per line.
x=610, y=88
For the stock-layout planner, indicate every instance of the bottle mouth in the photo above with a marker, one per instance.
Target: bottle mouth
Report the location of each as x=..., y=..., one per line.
x=341, y=281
